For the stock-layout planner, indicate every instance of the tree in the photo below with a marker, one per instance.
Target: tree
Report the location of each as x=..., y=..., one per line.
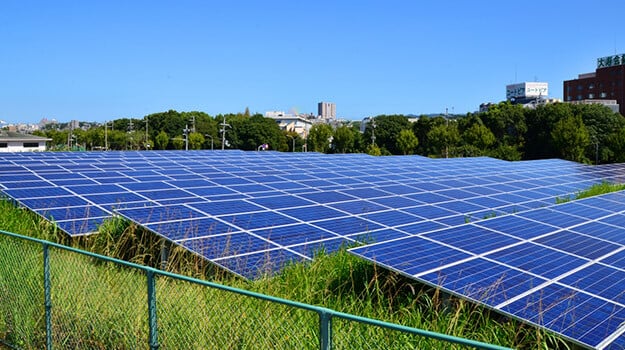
x=247, y=133
x=319, y=137
x=162, y=140
x=444, y=138
x=373, y=150
x=571, y=137
x=507, y=122
x=343, y=139
x=196, y=140
x=387, y=128
x=178, y=142
x=407, y=142
x=421, y=128
x=479, y=136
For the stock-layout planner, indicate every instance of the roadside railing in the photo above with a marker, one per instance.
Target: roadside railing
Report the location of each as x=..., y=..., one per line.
x=54, y=296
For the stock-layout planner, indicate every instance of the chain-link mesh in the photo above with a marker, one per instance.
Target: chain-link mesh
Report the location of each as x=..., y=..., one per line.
x=194, y=317
x=349, y=334
x=22, y=321
x=97, y=304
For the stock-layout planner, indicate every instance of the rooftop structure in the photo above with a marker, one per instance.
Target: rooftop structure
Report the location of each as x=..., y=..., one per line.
x=605, y=83
x=15, y=142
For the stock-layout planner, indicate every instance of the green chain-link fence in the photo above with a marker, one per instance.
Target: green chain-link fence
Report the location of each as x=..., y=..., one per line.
x=52, y=296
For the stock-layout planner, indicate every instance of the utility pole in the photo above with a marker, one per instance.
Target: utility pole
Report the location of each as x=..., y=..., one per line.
x=373, y=131
x=447, y=141
x=147, y=135
x=186, y=137
x=223, y=133
x=106, y=136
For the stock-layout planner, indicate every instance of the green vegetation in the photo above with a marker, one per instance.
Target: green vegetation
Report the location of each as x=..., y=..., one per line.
x=582, y=133
x=594, y=190
x=98, y=305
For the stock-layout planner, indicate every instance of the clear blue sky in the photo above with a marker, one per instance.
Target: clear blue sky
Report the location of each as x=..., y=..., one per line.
x=99, y=60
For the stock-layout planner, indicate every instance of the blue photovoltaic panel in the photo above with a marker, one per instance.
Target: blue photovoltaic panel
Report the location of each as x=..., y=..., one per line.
x=311, y=249
x=358, y=207
x=53, y=202
x=312, y=213
x=226, y=207
x=396, y=202
x=411, y=255
x=392, y=218
x=551, y=278
x=262, y=263
x=575, y=314
x=472, y=239
x=538, y=259
x=214, y=247
x=186, y=229
x=251, y=212
x=377, y=236
x=517, y=226
x=603, y=231
x=294, y=234
x=348, y=225
x=577, y=244
x=484, y=281
x=257, y=220
x=160, y=213
x=73, y=212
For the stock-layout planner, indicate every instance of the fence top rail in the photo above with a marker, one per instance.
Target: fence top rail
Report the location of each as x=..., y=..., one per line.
x=318, y=309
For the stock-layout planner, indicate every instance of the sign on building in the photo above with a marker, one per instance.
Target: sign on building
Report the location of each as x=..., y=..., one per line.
x=527, y=90
x=609, y=61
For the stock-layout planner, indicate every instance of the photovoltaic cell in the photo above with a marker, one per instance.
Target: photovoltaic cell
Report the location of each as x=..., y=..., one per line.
x=432, y=219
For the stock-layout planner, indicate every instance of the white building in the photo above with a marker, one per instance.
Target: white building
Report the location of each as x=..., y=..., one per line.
x=523, y=92
x=290, y=122
x=15, y=142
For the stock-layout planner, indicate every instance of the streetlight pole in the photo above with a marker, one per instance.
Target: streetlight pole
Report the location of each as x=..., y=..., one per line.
x=209, y=136
x=292, y=138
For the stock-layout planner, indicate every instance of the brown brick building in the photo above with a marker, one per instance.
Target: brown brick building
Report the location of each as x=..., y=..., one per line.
x=606, y=83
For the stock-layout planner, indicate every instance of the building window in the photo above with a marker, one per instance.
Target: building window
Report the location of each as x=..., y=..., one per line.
x=579, y=87
x=591, y=95
x=603, y=95
x=591, y=86
x=31, y=144
x=580, y=97
x=569, y=98
x=4, y=145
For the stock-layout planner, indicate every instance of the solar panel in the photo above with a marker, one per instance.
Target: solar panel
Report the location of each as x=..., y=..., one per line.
x=253, y=212
x=560, y=267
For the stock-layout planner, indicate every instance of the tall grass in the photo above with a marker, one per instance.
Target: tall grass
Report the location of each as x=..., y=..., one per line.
x=594, y=190
x=99, y=305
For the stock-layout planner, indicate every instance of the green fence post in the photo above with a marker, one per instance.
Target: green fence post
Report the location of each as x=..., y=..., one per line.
x=152, y=310
x=47, y=297
x=325, y=330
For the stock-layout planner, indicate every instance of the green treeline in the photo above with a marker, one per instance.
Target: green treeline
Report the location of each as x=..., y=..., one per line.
x=583, y=133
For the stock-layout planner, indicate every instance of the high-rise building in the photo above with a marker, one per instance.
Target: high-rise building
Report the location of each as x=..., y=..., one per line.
x=326, y=110
x=604, y=84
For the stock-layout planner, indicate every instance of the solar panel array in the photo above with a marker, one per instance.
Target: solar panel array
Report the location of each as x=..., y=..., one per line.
x=252, y=212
